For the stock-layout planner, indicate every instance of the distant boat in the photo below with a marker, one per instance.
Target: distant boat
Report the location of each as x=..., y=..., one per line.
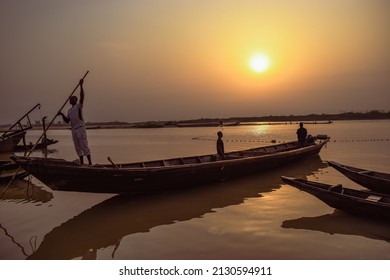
x=373, y=180
x=357, y=202
x=160, y=175
x=208, y=124
x=8, y=141
x=39, y=146
x=16, y=132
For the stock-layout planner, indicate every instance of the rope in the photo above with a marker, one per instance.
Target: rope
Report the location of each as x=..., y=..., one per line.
x=274, y=141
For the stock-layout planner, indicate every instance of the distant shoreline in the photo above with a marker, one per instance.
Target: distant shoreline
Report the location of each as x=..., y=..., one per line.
x=233, y=121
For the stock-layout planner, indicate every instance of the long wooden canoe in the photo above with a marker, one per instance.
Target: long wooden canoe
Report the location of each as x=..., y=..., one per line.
x=363, y=203
x=159, y=175
x=373, y=180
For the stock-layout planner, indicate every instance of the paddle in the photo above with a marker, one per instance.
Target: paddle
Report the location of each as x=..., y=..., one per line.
x=44, y=133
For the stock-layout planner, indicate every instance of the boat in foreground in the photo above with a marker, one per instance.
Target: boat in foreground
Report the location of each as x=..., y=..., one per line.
x=373, y=180
x=363, y=203
x=160, y=175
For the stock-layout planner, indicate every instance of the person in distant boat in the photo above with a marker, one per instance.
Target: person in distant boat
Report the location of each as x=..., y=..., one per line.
x=220, y=145
x=302, y=134
x=79, y=131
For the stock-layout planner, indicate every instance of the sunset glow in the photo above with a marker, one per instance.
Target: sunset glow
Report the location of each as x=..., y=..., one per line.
x=172, y=60
x=259, y=63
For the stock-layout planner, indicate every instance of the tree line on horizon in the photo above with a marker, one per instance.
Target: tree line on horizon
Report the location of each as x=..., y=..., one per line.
x=370, y=115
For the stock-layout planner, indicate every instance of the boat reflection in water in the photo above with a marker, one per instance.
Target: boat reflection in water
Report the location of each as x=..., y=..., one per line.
x=340, y=222
x=105, y=224
x=25, y=191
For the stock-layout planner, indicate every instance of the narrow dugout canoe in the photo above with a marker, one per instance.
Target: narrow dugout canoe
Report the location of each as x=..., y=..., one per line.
x=373, y=180
x=160, y=175
x=363, y=203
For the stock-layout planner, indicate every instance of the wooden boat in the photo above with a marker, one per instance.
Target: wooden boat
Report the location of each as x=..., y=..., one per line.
x=111, y=217
x=158, y=175
x=373, y=180
x=9, y=141
x=8, y=170
x=362, y=203
x=39, y=146
x=208, y=124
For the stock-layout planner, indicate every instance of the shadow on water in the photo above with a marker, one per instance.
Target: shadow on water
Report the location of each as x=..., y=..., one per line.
x=340, y=222
x=25, y=191
x=106, y=223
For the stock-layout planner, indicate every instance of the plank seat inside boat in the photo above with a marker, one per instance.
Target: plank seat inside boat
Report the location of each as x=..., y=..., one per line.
x=190, y=160
x=374, y=198
x=156, y=163
x=253, y=153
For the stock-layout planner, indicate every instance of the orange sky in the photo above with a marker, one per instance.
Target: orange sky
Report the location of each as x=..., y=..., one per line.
x=177, y=59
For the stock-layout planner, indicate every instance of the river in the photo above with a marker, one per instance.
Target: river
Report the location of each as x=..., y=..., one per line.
x=254, y=217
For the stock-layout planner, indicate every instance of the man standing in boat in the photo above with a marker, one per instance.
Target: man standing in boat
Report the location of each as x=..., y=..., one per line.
x=79, y=131
x=220, y=145
x=302, y=134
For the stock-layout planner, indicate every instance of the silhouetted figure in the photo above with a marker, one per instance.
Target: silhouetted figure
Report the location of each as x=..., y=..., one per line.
x=302, y=134
x=220, y=146
x=79, y=131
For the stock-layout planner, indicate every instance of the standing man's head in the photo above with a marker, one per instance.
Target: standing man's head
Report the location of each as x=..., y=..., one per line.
x=301, y=124
x=219, y=133
x=73, y=100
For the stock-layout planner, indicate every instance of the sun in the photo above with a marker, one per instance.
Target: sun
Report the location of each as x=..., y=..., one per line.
x=259, y=63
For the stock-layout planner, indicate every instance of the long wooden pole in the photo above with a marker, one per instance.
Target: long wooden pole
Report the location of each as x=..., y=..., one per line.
x=44, y=133
x=51, y=122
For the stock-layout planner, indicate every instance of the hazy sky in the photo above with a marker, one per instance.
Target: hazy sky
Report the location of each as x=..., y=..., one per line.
x=184, y=59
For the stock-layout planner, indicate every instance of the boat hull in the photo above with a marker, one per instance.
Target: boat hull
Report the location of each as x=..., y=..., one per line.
x=67, y=176
x=9, y=143
x=362, y=203
x=375, y=181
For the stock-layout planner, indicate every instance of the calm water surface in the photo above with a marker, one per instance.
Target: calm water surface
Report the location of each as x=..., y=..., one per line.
x=255, y=217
